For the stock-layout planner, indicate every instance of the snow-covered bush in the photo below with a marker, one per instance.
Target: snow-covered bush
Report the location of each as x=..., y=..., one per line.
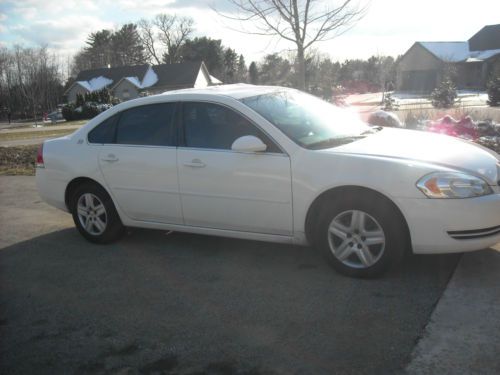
x=88, y=105
x=464, y=128
x=71, y=112
x=383, y=118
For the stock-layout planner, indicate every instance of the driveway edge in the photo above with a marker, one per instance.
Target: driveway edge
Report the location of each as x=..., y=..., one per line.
x=462, y=334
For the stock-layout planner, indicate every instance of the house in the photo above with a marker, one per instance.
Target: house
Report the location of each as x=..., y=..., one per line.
x=129, y=82
x=422, y=67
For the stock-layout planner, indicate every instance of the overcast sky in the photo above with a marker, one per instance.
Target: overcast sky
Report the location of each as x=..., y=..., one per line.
x=389, y=28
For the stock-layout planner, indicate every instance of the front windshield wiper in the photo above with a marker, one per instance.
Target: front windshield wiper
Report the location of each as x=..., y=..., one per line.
x=372, y=130
x=333, y=142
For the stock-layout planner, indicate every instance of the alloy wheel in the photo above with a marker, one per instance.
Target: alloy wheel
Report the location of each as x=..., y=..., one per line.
x=356, y=239
x=92, y=214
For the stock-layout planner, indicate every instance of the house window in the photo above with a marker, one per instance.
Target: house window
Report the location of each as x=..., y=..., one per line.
x=125, y=94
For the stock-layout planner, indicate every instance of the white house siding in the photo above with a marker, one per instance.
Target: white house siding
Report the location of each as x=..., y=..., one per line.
x=418, y=70
x=74, y=91
x=125, y=91
x=201, y=80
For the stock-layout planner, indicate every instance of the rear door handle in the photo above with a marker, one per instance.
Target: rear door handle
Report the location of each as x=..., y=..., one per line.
x=195, y=163
x=110, y=158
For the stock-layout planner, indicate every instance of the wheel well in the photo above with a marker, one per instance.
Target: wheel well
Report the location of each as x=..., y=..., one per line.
x=73, y=185
x=315, y=208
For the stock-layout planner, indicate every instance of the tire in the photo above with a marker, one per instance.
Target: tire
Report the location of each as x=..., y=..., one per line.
x=362, y=235
x=95, y=214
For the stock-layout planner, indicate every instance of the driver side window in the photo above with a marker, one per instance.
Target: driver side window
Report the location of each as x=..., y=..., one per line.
x=213, y=126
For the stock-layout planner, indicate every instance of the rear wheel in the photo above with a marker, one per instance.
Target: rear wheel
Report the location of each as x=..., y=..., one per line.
x=361, y=236
x=95, y=215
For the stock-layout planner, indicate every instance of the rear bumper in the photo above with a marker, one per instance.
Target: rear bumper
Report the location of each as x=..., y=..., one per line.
x=452, y=225
x=51, y=188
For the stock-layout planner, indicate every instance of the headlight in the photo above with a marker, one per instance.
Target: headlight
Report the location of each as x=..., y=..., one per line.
x=453, y=185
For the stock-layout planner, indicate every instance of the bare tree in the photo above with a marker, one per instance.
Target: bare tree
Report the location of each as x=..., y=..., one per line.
x=173, y=32
x=30, y=81
x=302, y=22
x=147, y=33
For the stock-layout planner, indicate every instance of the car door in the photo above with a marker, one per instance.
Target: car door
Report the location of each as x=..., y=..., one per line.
x=224, y=189
x=139, y=163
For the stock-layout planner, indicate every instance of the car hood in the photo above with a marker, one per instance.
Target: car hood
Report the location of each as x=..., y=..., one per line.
x=426, y=147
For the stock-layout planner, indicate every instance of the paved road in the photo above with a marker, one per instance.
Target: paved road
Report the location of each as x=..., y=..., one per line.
x=190, y=304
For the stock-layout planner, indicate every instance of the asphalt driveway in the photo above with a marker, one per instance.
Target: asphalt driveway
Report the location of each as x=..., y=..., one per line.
x=190, y=304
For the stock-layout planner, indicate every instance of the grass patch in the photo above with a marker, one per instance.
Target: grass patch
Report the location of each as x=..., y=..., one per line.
x=6, y=171
x=14, y=136
x=19, y=160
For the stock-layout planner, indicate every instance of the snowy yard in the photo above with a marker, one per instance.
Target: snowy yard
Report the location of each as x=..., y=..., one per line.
x=466, y=98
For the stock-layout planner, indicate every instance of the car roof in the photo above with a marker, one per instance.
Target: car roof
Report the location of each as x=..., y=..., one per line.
x=236, y=91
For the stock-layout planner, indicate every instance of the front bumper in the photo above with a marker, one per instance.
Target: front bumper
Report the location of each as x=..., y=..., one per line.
x=452, y=225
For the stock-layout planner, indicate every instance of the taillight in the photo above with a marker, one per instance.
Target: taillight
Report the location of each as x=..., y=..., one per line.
x=39, y=157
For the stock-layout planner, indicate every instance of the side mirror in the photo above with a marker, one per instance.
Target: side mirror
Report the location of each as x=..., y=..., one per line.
x=248, y=143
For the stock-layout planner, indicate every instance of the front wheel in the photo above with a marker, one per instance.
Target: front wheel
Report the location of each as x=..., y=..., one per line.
x=95, y=215
x=362, y=236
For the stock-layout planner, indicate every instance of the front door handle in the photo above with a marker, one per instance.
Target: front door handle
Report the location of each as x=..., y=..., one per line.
x=110, y=158
x=195, y=163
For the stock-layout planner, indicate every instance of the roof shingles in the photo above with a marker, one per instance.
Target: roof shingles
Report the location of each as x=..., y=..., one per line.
x=165, y=75
x=115, y=73
x=176, y=75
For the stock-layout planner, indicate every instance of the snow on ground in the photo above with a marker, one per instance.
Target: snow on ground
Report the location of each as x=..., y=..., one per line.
x=466, y=97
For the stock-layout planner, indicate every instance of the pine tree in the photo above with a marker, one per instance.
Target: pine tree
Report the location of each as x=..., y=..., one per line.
x=253, y=73
x=230, y=65
x=104, y=96
x=494, y=91
x=208, y=50
x=80, y=100
x=126, y=46
x=445, y=94
x=389, y=102
x=242, y=71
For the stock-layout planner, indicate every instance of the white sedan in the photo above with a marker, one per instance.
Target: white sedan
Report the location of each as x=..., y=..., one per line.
x=273, y=164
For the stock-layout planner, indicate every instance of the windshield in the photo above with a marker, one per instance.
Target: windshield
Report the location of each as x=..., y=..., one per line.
x=308, y=121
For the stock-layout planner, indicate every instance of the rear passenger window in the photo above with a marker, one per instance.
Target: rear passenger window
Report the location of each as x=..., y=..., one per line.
x=104, y=132
x=147, y=125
